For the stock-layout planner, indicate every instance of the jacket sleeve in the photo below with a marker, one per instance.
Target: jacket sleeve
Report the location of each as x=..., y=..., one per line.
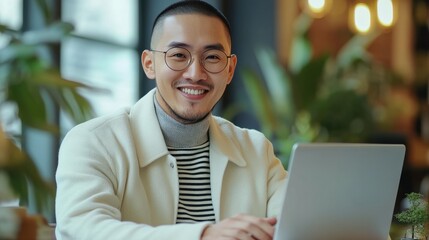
x=276, y=182
x=87, y=201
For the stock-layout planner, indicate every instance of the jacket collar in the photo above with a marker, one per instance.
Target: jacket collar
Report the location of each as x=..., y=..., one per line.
x=150, y=143
x=222, y=142
x=148, y=138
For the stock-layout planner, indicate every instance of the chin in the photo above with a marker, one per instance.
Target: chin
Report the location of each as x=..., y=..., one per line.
x=191, y=118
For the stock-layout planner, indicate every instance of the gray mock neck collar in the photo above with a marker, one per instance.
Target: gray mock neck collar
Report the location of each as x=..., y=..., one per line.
x=180, y=135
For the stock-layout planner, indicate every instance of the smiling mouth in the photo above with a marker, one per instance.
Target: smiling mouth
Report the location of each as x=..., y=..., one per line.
x=193, y=91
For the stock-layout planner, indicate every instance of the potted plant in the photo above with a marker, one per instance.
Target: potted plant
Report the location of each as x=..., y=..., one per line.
x=30, y=82
x=416, y=216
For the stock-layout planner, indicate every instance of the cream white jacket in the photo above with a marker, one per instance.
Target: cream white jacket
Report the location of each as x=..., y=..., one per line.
x=117, y=180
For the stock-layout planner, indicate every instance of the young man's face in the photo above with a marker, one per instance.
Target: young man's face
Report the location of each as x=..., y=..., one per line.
x=190, y=94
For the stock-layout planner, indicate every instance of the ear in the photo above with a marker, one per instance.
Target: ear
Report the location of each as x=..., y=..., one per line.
x=148, y=64
x=231, y=67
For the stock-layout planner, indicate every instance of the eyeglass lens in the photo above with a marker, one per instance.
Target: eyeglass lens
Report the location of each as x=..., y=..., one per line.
x=213, y=60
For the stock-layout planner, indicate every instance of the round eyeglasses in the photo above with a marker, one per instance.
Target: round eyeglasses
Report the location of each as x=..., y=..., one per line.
x=178, y=59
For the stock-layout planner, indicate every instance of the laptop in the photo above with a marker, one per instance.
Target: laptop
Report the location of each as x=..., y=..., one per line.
x=340, y=191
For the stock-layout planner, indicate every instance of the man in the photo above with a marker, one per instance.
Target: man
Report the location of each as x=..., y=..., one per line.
x=167, y=168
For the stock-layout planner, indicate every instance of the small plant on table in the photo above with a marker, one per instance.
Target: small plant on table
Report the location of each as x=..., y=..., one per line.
x=417, y=215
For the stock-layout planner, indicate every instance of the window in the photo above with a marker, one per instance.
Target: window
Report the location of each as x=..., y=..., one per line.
x=11, y=15
x=102, y=52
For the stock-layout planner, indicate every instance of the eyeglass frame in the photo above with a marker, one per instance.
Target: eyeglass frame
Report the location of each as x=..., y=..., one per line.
x=192, y=59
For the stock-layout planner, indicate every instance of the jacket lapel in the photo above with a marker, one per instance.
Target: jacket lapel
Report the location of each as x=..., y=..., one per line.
x=149, y=141
x=222, y=151
x=151, y=150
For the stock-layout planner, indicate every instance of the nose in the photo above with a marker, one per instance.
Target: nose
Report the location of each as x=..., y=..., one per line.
x=195, y=71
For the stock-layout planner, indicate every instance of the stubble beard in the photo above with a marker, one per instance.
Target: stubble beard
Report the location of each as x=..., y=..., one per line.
x=184, y=118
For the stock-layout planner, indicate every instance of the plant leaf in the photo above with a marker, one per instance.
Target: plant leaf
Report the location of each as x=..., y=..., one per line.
x=3, y=28
x=75, y=105
x=16, y=51
x=300, y=54
x=277, y=81
x=355, y=48
x=23, y=176
x=44, y=8
x=301, y=49
x=308, y=81
x=54, y=33
x=30, y=103
x=262, y=105
x=52, y=78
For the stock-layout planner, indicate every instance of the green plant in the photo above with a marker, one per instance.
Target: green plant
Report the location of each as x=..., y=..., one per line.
x=323, y=98
x=417, y=215
x=30, y=82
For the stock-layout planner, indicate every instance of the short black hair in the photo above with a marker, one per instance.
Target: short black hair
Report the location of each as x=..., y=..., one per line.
x=192, y=6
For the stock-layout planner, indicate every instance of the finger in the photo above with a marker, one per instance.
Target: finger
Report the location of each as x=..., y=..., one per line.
x=271, y=220
x=259, y=228
x=259, y=234
x=266, y=224
x=227, y=230
x=242, y=235
x=235, y=233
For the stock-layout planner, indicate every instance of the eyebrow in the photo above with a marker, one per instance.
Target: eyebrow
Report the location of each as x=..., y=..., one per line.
x=178, y=44
x=216, y=46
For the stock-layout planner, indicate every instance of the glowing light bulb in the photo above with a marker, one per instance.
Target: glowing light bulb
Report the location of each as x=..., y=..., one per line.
x=385, y=12
x=317, y=6
x=362, y=18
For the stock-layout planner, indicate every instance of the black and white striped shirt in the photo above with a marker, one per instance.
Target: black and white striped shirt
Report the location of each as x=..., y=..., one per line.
x=195, y=199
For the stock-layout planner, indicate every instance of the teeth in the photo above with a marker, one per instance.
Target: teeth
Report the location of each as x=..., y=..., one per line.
x=192, y=91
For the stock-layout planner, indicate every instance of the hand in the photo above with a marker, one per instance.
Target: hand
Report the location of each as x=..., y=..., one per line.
x=241, y=227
